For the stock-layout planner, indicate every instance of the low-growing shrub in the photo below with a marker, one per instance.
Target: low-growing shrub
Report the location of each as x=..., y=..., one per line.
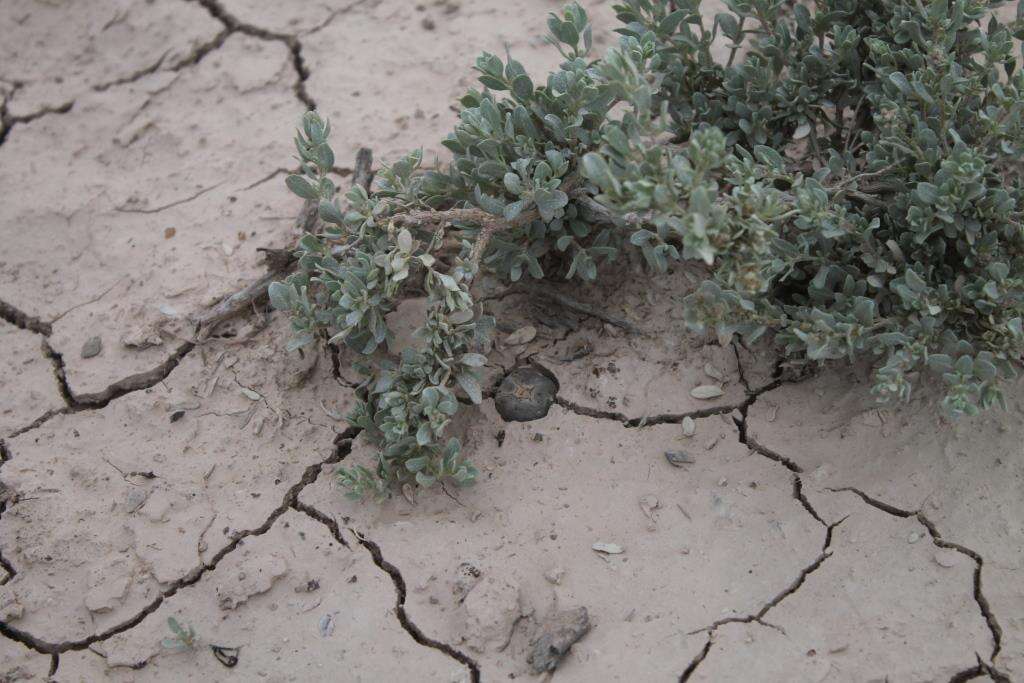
x=850, y=173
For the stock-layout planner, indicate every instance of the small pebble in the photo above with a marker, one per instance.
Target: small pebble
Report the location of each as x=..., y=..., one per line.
x=327, y=624
x=525, y=394
x=92, y=347
x=557, y=634
x=689, y=426
x=555, y=575
x=914, y=537
x=135, y=499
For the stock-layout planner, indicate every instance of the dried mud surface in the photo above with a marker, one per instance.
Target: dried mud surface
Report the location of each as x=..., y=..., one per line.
x=810, y=536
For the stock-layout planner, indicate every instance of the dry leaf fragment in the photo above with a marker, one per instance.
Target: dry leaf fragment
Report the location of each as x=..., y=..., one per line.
x=648, y=504
x=713, y=372
x=524, y=335
x=706, y=391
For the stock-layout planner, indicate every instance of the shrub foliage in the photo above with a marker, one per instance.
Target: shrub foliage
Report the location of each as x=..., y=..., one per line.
x=849, y=172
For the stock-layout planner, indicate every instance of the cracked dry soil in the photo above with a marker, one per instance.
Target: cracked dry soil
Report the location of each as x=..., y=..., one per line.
x=813, y=537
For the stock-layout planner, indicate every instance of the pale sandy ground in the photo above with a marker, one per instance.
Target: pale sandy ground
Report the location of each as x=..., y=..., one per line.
x=815, y=537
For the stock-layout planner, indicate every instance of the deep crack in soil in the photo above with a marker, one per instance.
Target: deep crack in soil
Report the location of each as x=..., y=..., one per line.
x=132, y=77
x=74, y=403
x=343, y=442
x=231, y=25
x=645, y=421
x=342, y=447
x=979, y=669
x=741, y=424
x=8, y=122
x=777, y=380
x=126, y=385
x=234, y=25
x=5, y=564
x=201, y=51
x=758, y=617
x=23, y=320
x=403, y=617
x=391, y=570
x=991, y=622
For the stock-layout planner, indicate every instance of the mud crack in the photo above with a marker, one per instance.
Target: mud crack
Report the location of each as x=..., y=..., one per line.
x=758, y=617
x=391, y=570
x=342, y=447
x=125, y=385
x=132, y=77
x=798, y=494
x=644, y=421
x=403, y=617
x=981, y=668
x=201, y=51
x=7, y=121
x=995, y=630
x=5, y=564
x=24, y=321
x=39, y=421
x=91, y=401
x=9, y=571
x=234, y=25
x=977, y=671
x=396, y=577
x=334, y=15
x=675, y=418
x=318, y=516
